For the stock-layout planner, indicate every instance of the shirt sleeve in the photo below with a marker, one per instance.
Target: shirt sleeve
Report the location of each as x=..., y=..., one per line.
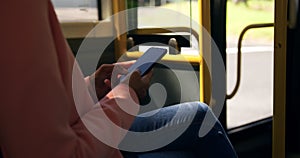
x=39, y=113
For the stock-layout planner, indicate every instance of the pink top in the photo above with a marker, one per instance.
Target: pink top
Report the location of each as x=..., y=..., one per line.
x=38, y=116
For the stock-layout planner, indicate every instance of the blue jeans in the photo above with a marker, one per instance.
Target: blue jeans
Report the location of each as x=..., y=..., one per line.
x=177, y=129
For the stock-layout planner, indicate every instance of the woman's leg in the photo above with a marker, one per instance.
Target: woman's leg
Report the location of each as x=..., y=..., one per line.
x=176, y=128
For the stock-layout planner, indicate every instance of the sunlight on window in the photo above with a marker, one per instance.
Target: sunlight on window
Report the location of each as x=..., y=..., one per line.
x=76, y=10
x=254, y=99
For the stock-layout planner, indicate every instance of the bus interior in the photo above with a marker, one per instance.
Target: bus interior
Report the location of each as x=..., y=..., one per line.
x=252, y=86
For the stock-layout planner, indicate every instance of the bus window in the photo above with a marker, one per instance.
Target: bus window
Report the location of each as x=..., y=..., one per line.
x=147, y=9
x=172, y=17
x=76, y=11
x=254, y=99
x=79, y=17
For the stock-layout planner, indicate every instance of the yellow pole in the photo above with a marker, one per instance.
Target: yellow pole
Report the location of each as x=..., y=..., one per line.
x=120, y=25
x=205, y=51
x=279, y=113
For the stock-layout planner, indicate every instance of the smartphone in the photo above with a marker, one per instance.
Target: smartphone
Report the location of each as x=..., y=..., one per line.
x=146, y=62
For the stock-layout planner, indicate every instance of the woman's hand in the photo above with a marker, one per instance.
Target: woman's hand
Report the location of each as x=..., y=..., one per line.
x=103, y=77
x=139, y=84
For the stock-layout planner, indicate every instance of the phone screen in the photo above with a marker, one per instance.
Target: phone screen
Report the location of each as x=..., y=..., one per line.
x=146, y=62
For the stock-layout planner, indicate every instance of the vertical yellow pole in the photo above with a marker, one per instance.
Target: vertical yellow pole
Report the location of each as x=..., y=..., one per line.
x=205, y=51
x=279, y=79
x=120, y=26
x=201, y=54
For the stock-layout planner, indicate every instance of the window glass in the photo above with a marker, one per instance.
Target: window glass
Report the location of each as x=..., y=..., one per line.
x=254, y=99
x=76, y=10
x=153, y=8
x=180, y=14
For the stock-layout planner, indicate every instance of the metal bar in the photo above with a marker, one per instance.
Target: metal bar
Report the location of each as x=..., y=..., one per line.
x=239, y=55
x=99, y=7
x=279, y=99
